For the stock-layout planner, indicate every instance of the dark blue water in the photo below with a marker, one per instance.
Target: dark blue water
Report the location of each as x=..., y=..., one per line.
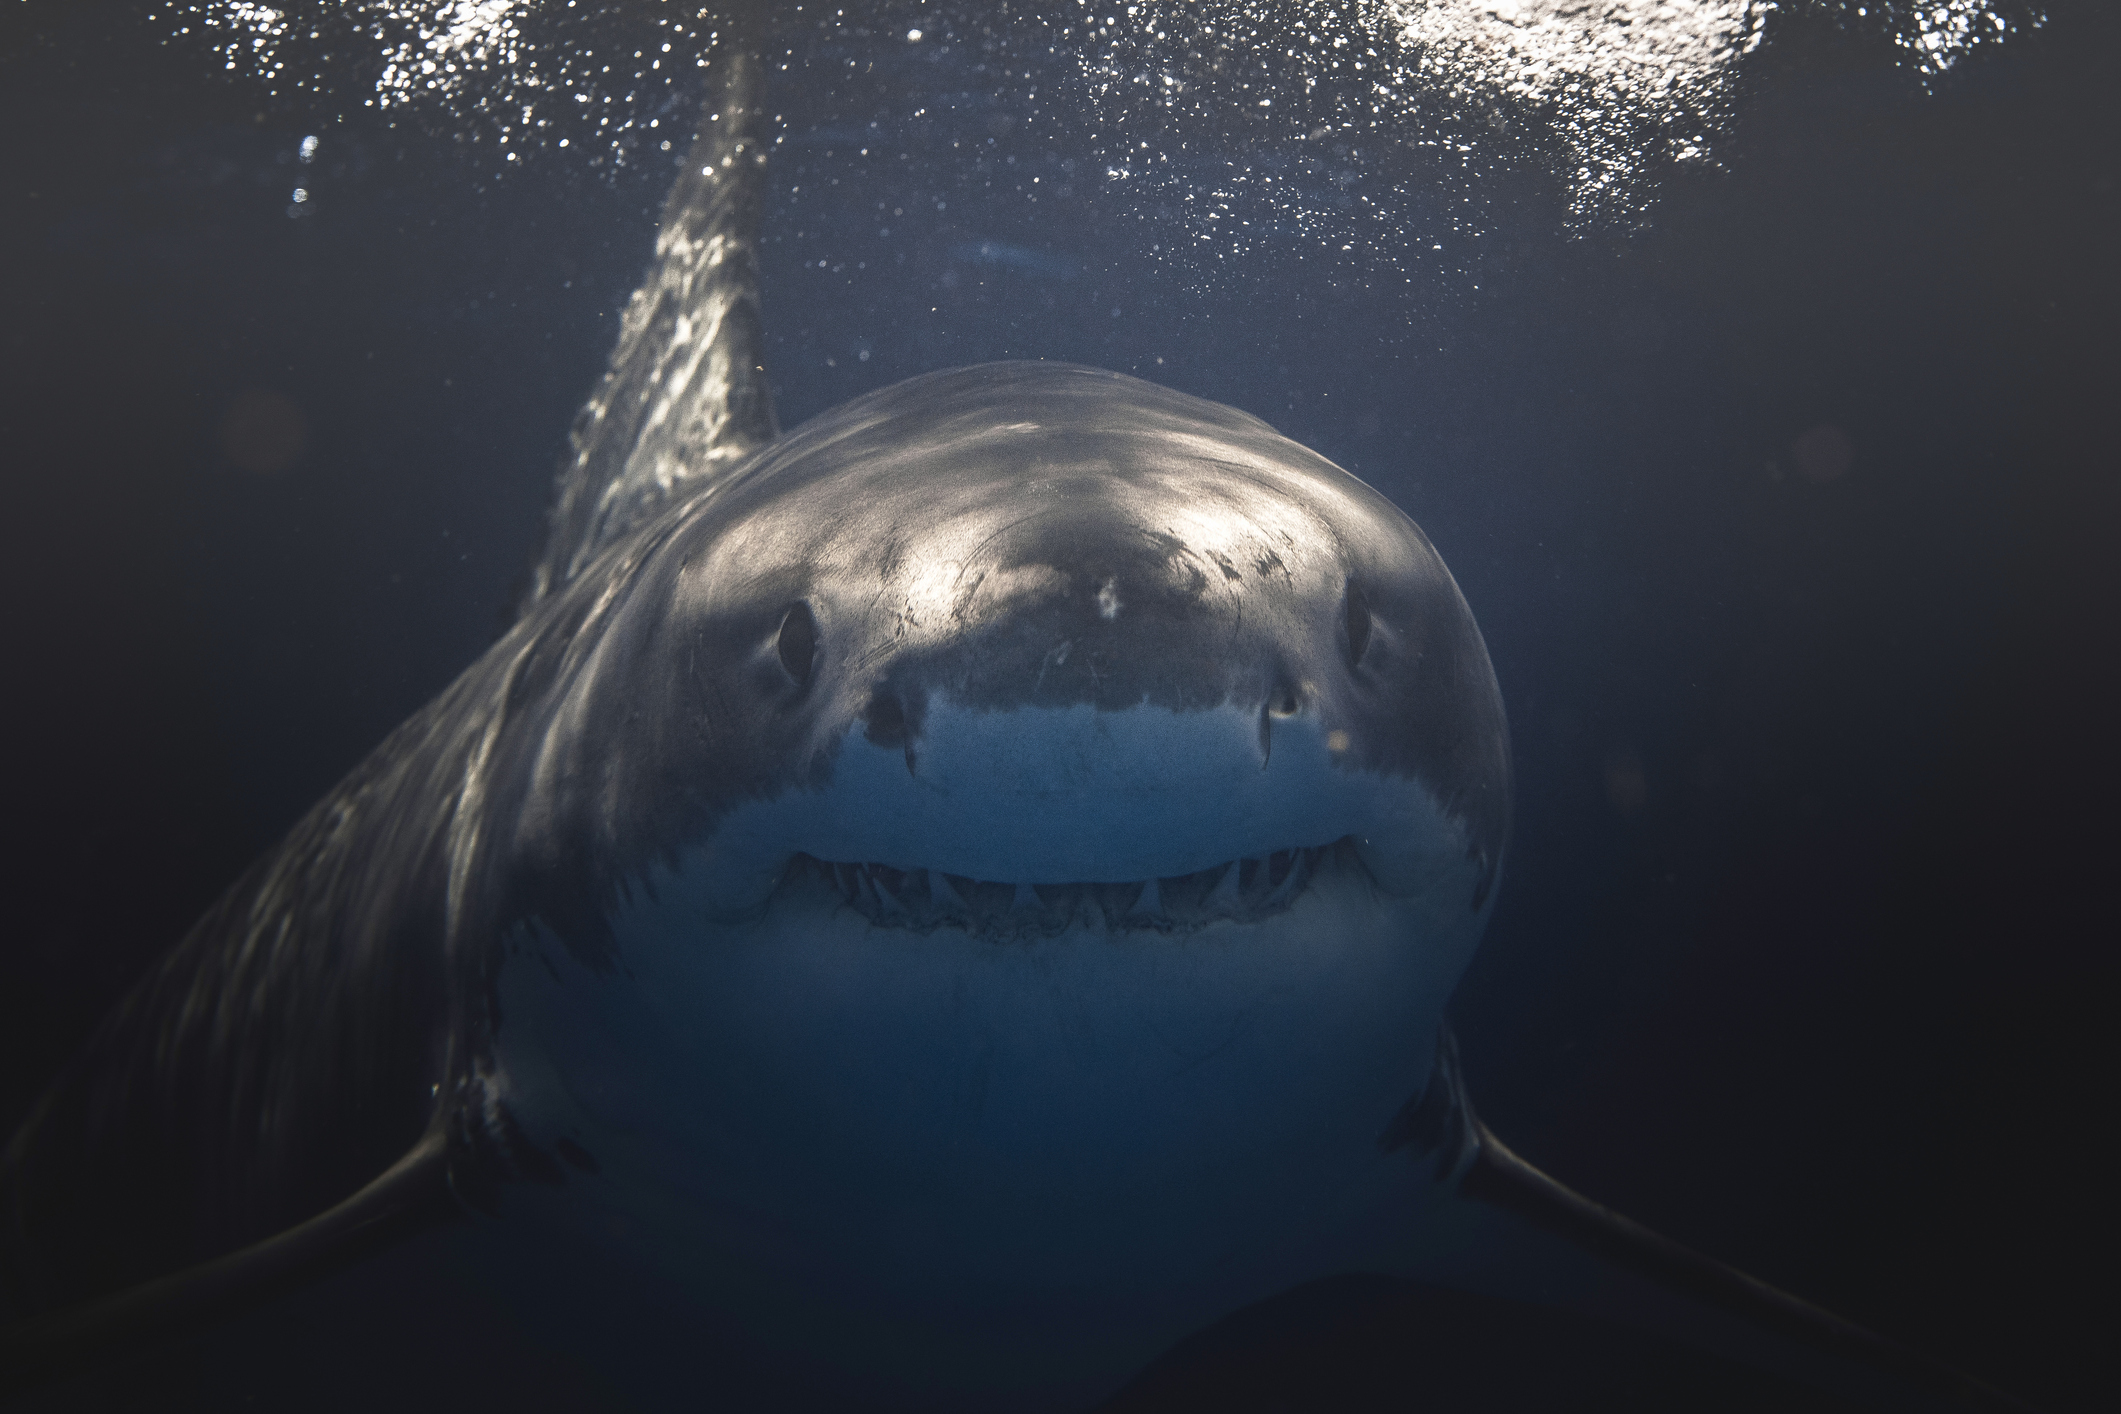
x=1786, y=500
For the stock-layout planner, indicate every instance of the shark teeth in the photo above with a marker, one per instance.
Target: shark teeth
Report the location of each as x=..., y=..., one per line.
x=940, y=891
x=1239, y=891
x=1148, y=904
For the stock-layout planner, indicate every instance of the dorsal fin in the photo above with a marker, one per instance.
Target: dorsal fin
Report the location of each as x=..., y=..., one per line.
x=686, y=395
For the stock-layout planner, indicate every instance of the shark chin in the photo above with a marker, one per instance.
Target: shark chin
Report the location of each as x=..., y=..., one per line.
x=1000, y=1109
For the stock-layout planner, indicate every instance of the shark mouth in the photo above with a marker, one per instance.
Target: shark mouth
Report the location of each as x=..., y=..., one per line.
x=1239, y=891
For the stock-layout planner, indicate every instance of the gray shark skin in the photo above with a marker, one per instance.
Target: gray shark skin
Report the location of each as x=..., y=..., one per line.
x=956, y=898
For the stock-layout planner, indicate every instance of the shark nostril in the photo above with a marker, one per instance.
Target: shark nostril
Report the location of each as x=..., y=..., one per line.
x=887, y=719
x=798, y=644
x=1281, y=703
x=1357, y=610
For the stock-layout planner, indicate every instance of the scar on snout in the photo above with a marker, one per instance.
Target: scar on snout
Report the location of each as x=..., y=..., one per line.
x=1108, y=600
x=1054, y=658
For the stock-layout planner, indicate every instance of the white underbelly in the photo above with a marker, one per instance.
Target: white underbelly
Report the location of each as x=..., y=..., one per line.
x=1025, y=1165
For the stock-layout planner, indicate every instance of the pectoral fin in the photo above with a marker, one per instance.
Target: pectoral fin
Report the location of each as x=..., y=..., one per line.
x=1522, y=1233
x=410, y=1195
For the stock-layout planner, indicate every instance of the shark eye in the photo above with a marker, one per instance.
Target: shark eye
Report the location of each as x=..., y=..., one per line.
x=798, y=644
x=1358, y=611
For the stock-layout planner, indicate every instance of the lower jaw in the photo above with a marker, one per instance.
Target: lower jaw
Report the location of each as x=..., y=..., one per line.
x=1041, y=1159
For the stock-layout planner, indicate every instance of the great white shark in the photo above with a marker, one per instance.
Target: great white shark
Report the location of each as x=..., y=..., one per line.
x=955, y=898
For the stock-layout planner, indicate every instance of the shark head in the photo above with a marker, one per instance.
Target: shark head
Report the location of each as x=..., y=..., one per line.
x=1051, y=812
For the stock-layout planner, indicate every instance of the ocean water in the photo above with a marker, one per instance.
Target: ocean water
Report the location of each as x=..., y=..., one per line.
x=1751, y=366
